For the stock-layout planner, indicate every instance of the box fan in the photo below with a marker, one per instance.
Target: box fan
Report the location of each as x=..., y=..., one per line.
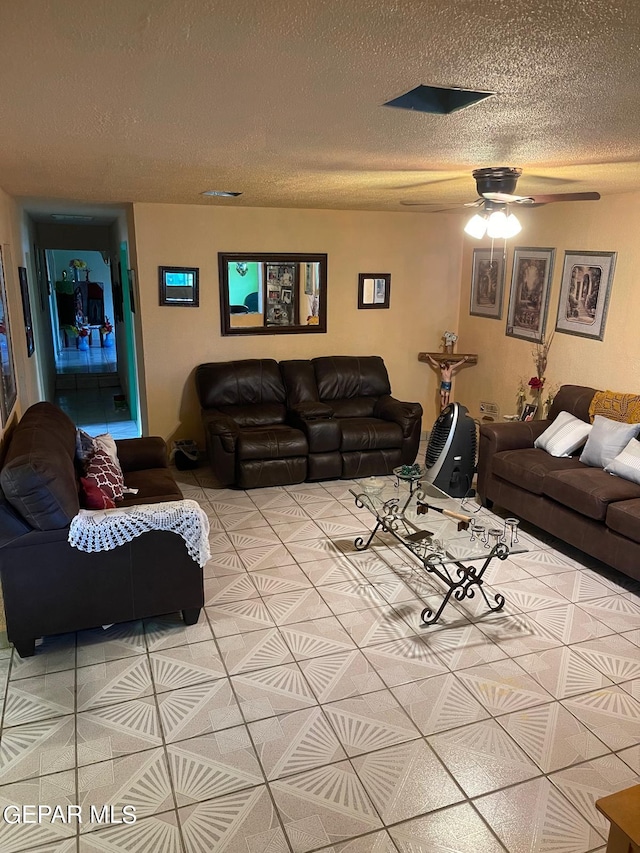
x=451, y=453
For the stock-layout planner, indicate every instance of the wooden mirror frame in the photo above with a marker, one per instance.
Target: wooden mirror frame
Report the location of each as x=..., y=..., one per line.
x=226, y=258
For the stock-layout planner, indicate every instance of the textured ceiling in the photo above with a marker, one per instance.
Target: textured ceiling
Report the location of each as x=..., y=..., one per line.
x=158, y=100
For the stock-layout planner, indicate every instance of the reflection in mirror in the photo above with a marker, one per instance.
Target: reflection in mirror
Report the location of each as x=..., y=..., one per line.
x=179, y=286
x=269, y=293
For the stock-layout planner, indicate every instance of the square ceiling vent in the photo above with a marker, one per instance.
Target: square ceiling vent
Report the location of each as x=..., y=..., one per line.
x=437, y=99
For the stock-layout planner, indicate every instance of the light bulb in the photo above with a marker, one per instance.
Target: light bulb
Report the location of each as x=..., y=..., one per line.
x=512, y=226
x=497, y=224
x=476, y=226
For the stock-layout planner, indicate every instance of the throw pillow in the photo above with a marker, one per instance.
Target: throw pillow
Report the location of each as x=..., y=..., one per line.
x=566, y=434
x=85, y=446
x=606, y=440
x=627, y=463
x=106, y=474
x=92, y=496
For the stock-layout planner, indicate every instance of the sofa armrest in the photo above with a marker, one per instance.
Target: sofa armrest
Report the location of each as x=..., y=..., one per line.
x=138, y=454
x=515, y=435
x=404, y=414
x=222, y=427
x=311, y=411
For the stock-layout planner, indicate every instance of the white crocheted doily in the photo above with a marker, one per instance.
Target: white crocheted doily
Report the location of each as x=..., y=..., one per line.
x=105, y=529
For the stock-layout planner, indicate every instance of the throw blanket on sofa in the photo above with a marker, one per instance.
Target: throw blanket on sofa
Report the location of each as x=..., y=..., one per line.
x=624, y=408
x=105, y=529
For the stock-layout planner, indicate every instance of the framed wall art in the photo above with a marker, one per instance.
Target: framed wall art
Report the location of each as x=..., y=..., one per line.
x=374, y=290
x=529, y=294
x=26, y=310
x=179, y=286
x=487, y=283
x=7, y=369
x=584, y=294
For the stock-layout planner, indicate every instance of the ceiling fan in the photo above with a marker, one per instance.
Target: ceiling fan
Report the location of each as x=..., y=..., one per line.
x=496, y=190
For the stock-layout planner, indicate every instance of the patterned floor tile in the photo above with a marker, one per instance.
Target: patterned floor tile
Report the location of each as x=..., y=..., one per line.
x=222, y=564
x=534, y=818
x=268, y=692
x=285, y=514
x=231, y=502
x=331, y=570
x=631, y=757
x=118, y=641
x=313, y=550
x=197, y=710
x=393, y=589
x=569, y=624
x=586, y=783
x=519, y=634
x=633, y=636
x=532, y=594
x=40, y=698
x=239, y=617
x=295, y=742
x=577, y=586
x=300, y=530
x=482, y=757
x=331, y=508
x=542, y=563
x=151, y=834
x=324, y=806
x=632, y=687
x=244, y=821
x=371, y=564
x=503, y=686
x=368, y=722
x=282, y=579
x=457, y=828
x=36, y=749
x=166, y=632
x=256, y=650
x=350, y=595
x=340, y=675
x=140, y=780
x=56, y=789
x=219, y=542
x=316, y=638
x=464, y=646
x=343, y=526
x=611, y=714
x=552, y=736
x=186, y=665
x=265, y=557
x=53, y=654
x=250, y=519
x=228, y=589
x=377, y=842
x=242, y=539
x=616, y=611
x=403, y=660
x=405, y=781
x=563, y=672
x=213, y=765
x=297, y=606
x=113, y=682
x=613, y=656
x=271, y=498
x=376, y=625
x=451, y=616
x=439, y=703
x=117, y=730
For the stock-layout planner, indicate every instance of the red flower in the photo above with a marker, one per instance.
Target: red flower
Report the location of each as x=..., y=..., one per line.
x=535, y=383
x=83, y=332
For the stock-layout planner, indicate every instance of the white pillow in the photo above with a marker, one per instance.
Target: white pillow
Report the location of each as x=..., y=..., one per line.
x=566, y=434
x=627, y=463
x=606, y=440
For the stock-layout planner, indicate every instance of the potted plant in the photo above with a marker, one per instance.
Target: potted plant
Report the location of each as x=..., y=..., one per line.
x=83, y=338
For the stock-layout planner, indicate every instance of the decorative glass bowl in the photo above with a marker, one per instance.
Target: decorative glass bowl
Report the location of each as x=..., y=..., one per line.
x=372, y=487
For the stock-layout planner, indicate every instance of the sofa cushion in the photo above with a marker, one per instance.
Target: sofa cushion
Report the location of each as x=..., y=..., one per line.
x=588, y=491
x=276, y=442
x=239, y=383
x=258, y=414
x=343, y=376
x=153, y=485
x=369, y=434
x=354, y=407
x=624, y=518
x=528, y=467
x=606, y=439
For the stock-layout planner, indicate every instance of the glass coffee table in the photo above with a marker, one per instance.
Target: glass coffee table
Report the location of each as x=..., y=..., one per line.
x=448, y=543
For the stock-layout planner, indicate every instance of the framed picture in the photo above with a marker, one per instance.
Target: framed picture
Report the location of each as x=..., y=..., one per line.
x=26, y=310
x=7, y=370
x=528, y=412
x=374, y=289
x=584, y=294
x=529, y=295
x=132, y=289
x=179, y=286
x=487, y=283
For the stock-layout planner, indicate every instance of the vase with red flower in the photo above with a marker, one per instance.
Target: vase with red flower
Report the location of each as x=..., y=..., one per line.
x=83, y=339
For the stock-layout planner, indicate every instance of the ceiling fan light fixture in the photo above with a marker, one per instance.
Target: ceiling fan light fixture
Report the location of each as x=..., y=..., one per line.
x=512, y=226
x=496, y=224
x=476, y=226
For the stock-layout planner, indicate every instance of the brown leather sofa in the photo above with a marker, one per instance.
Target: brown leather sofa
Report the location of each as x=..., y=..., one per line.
x=50, y=587
x=585, y=507
x=269, y=424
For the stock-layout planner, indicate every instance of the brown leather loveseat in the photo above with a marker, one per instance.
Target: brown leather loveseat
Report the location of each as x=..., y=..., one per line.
x=583, y=506
x=50, y=587
x=269, y=424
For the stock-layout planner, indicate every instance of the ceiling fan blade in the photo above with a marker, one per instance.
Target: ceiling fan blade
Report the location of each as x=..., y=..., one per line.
x=505, y=198
x=477, y=203
x=548, y=199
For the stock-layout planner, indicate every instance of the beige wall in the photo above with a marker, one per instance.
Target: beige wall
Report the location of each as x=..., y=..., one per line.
x=612, y=224
x=422, y=253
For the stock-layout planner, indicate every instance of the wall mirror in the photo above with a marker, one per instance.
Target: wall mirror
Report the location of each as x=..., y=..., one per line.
x=266, y=294
x=179, y=286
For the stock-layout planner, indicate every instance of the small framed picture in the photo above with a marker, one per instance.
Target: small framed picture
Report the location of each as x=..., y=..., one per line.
x=374, y=290
x=584, y=294
x=487, y=283
x=179, y=286
x=26, y=310
x=529, y=295
x=528, y=412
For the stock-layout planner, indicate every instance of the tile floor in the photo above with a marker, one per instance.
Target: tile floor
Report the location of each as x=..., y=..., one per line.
x=94, y=360
x=308, y=710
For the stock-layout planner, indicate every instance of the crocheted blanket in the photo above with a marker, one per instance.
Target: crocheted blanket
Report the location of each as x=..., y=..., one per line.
x=105, y=529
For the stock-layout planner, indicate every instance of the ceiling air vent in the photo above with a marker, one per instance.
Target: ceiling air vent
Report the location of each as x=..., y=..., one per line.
x=72, y=217
x=437, y=99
